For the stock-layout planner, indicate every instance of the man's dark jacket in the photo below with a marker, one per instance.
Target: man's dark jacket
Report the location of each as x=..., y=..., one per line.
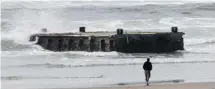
x=147, y=65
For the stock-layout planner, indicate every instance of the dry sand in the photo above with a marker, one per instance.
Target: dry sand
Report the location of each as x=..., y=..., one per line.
x=209, y=85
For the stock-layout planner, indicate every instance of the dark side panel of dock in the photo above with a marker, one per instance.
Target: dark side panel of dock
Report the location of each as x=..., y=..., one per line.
x=142, y=42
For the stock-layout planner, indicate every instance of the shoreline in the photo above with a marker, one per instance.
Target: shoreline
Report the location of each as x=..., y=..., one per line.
x=184, y=85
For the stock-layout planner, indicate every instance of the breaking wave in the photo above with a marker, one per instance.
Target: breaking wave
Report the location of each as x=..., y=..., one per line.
x=186, y=22
x=47, y=77
x=49, y=65
x=199, y=41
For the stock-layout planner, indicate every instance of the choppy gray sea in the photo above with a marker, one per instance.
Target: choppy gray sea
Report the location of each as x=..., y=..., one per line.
x=25, y=65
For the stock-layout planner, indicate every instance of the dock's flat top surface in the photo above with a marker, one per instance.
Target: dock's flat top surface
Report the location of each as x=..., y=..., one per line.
x=93, y=33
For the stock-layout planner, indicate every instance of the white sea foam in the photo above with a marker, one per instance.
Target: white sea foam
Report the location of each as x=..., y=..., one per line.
x=126, y=0
x=104, y=3
x=198, y=41
x=188, y=22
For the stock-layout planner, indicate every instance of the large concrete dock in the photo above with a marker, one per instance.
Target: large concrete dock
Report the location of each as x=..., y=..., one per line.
x=129, y=42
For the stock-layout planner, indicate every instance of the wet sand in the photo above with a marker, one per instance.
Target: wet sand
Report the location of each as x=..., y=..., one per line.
x=207, y=85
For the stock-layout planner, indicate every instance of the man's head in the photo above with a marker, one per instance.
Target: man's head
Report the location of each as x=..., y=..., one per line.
x=148, y=59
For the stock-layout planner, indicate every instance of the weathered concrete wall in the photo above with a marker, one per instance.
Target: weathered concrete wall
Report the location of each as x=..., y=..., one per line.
x=71, y=43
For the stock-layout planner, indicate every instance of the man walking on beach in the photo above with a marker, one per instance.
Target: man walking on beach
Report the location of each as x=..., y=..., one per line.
x=147, y=67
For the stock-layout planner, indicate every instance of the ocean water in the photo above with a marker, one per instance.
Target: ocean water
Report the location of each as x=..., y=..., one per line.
x=25, y=65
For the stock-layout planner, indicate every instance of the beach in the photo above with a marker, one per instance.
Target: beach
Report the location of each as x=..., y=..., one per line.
x=205, y=85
